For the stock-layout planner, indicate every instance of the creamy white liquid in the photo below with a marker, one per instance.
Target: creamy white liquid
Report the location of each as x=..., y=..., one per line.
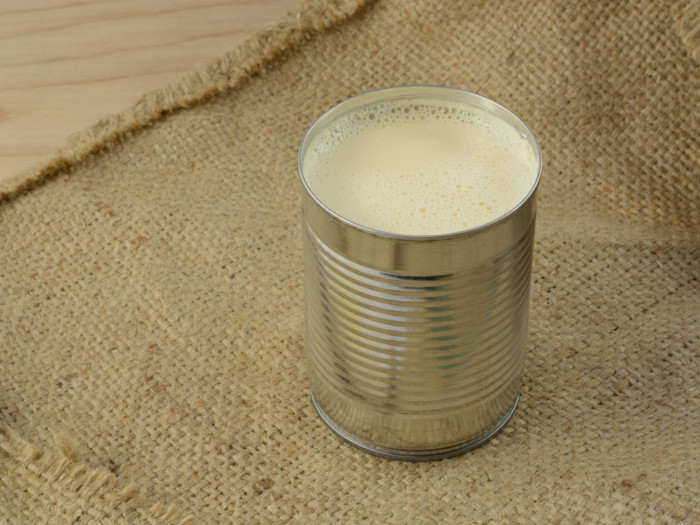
x=420, y=167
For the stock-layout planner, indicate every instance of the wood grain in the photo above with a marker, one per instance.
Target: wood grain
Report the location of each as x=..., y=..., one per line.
x=65, y=63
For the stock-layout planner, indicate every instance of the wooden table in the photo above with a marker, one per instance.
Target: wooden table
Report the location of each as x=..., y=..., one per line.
x=65, y=63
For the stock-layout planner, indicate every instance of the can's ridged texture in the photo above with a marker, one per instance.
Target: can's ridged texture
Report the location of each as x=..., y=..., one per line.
x=415, y=345
x=416, y=365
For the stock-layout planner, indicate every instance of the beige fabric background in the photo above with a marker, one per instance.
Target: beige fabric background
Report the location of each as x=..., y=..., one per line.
x=151, y=336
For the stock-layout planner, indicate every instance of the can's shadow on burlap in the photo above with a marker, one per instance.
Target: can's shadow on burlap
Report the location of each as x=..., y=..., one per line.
x=152, y=354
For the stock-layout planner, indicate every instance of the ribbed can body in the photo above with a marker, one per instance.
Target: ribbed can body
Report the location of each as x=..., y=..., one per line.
x=415, y=346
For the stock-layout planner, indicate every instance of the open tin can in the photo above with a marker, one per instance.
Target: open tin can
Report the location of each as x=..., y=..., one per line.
x=415, y=343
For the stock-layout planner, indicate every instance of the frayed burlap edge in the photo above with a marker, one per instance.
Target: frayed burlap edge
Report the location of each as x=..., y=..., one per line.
x=218, y=75
x=45, y=472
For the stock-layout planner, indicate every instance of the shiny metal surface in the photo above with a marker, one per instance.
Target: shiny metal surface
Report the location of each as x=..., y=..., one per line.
x=415, y=344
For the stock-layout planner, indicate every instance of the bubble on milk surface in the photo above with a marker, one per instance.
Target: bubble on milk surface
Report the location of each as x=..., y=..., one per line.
x=478, y=169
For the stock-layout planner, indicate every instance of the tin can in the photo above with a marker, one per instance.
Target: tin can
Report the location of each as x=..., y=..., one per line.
x=415, y=343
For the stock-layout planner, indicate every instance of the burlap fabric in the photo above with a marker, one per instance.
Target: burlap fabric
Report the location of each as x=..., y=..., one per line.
x=151, y=336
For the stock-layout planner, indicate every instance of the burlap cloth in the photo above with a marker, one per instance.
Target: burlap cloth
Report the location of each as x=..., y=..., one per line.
x=151, y=329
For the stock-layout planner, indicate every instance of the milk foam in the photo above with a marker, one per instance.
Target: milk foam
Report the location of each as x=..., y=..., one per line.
x=420, y=167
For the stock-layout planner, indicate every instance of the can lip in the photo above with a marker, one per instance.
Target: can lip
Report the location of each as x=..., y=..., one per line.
x=421, y=237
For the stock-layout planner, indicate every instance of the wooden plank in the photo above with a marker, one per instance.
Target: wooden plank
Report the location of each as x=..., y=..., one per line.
x=65, y=63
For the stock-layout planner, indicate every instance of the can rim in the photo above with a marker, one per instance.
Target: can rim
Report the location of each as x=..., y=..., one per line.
x=420, y=237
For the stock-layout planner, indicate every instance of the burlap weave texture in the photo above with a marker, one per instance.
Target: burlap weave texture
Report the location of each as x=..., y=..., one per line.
x=151, y=328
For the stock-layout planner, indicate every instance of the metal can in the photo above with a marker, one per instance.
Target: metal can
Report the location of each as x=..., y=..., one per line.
x=415, y=343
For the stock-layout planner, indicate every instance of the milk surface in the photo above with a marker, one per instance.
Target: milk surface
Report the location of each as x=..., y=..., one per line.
x=420, y=167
